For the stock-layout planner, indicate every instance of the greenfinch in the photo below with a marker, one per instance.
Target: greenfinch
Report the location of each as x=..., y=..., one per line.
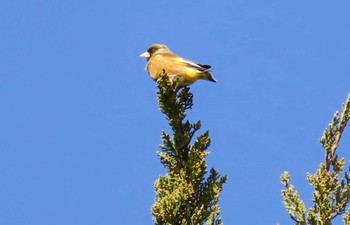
x=160, y=58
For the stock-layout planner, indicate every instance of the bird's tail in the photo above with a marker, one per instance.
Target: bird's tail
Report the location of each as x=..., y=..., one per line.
x=208, y=76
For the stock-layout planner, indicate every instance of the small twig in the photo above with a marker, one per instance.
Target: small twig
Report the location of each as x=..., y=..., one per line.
x=342, y=124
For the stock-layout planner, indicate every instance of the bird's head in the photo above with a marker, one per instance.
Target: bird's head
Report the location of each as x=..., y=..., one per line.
x=155, y=49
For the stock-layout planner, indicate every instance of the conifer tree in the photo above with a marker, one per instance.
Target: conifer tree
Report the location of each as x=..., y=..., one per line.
x=331, y=185
x=186, y=194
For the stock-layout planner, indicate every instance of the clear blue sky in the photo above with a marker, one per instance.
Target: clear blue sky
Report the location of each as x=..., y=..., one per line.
x=80, y=124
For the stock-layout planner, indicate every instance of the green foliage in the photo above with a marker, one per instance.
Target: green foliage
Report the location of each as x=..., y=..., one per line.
x=186, y=195
x=331, y=185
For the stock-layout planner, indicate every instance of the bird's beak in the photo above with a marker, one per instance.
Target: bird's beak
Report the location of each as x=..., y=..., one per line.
x=145, y=55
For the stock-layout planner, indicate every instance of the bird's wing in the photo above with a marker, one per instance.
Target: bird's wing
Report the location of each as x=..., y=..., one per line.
x=185, y=62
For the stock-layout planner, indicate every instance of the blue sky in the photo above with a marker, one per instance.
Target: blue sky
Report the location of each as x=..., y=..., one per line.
x=80, y=124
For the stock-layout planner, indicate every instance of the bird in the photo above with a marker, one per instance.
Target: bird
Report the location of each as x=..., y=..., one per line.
x=160, y=58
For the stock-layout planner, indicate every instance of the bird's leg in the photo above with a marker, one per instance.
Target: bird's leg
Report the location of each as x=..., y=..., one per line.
x=172, y=77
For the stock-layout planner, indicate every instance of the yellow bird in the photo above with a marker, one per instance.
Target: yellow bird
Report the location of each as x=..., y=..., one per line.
x=159, y=58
